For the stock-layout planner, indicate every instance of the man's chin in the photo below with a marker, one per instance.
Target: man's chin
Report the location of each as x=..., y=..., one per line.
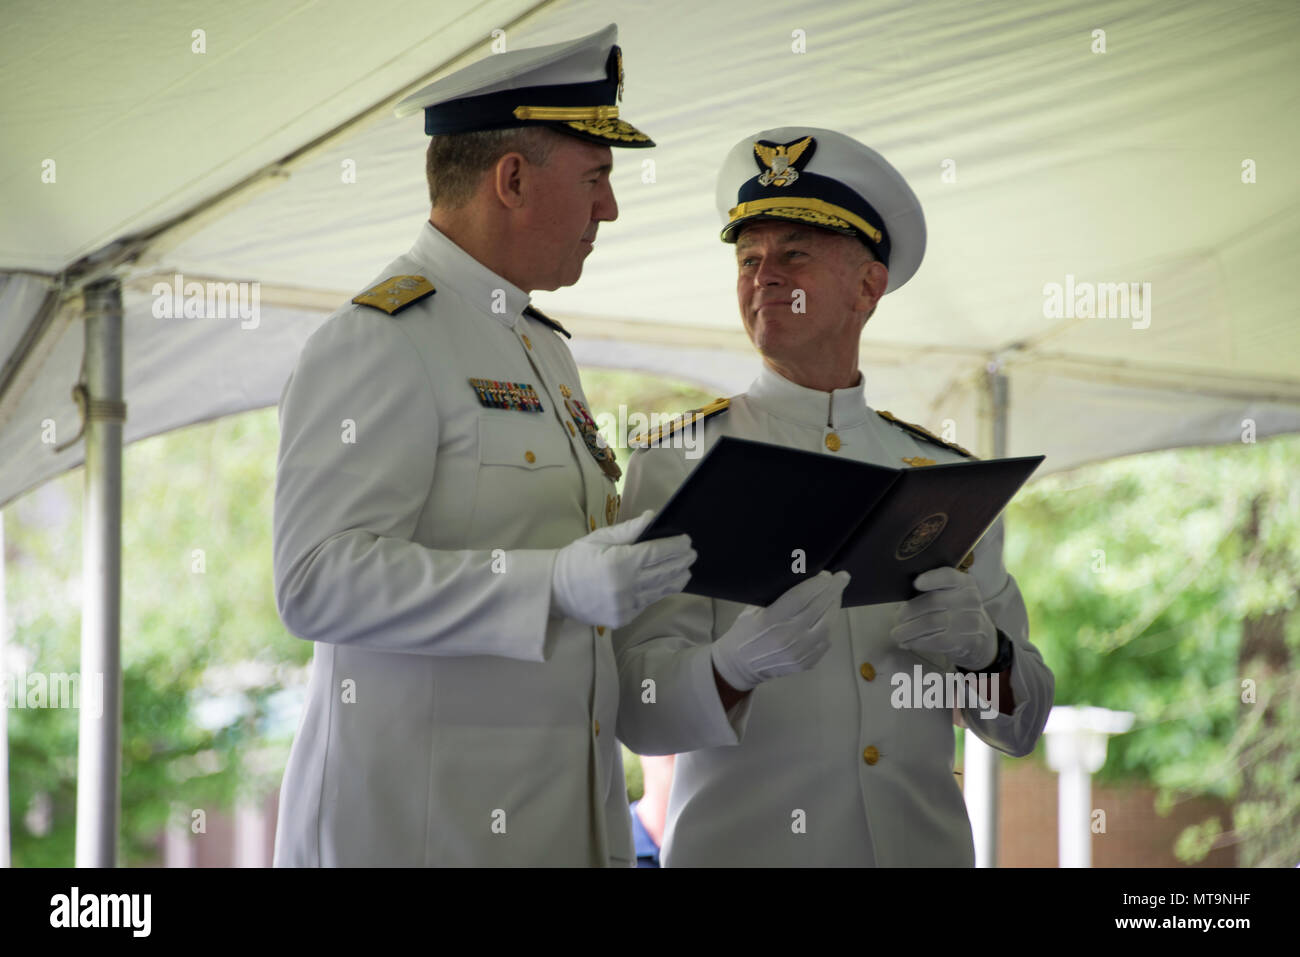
x=772, y=338
x=572, y=276
x=559, y=282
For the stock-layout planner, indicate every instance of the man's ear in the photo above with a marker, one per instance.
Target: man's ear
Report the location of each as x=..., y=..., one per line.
x=872, y=281
x=508, y=180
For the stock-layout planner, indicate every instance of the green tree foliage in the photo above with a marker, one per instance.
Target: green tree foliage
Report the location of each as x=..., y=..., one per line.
x=203, y=649
x=1141, y=576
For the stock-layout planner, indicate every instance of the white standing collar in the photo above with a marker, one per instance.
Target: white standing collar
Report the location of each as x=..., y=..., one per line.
x=841, y=409
x=450, y=266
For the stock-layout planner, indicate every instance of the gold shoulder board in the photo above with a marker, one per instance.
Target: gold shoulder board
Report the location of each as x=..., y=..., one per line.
x=690, y=416
x=395, y=294
x=922, y=432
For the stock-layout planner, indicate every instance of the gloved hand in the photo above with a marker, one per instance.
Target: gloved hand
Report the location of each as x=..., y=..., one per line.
x=604, y=579
x=791, y=634
x=949, y=620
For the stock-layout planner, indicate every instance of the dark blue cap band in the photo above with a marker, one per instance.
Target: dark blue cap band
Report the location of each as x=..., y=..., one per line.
x=494, y=111
x=832, y=191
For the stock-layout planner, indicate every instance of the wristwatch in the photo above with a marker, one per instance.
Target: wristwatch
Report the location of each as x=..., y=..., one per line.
x=1000, y=663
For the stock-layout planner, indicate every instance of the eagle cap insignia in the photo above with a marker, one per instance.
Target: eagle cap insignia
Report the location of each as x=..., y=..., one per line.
x=780, y=162
x=619, y=54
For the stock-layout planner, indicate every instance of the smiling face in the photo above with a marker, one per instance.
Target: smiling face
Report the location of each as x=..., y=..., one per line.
x=566, y=200
x=805, y=293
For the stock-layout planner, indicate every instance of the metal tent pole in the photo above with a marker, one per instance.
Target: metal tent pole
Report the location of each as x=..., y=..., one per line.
x=980, y=767
x=4, y=712
x=99, y=736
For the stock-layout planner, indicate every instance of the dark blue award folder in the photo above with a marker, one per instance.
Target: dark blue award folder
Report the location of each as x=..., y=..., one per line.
x=764, y=517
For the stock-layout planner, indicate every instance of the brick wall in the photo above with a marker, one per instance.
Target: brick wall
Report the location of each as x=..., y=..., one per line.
x=1136, y=836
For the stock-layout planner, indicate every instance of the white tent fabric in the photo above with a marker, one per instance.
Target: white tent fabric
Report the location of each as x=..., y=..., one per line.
x=1036, y=159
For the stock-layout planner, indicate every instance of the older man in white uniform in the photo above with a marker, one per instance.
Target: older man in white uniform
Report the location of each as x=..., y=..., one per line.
x=437, y=464
x=794, y=753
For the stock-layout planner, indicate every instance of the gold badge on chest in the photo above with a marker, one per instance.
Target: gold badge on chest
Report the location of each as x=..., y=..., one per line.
x=591, y=437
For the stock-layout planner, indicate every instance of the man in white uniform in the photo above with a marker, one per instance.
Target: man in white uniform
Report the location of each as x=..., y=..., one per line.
x=445, y=516
x=790, y=751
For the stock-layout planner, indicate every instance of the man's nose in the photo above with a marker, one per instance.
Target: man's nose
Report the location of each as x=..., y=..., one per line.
x=606, y=208
x=768, y=272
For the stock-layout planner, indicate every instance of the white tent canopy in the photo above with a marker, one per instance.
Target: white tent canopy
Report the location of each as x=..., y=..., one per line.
x=1117, y=167
x=1110, y=148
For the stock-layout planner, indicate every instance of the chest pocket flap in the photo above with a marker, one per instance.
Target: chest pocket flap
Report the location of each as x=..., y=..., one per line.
x=524, y=440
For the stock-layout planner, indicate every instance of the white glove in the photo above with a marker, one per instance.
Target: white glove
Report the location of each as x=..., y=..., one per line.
x=949, y=620
x=604, y=579
x=791, y=634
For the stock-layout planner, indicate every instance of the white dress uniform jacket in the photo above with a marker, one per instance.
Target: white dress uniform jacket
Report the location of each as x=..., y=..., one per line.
x=449, y=719
x=816, y=768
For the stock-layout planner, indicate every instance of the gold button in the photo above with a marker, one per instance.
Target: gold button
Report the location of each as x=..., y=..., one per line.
x=598, y=729
x=527, y=343
x=530, y=457
x=833, y=442
x=592, y=522
x=868, y=672
x=572, y=431
x=871, y=755
x=600, y=629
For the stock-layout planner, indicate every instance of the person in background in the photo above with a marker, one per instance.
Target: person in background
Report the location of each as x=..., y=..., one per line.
x=650, y=812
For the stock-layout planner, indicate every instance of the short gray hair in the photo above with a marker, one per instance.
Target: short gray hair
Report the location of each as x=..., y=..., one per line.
x=455, y=162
